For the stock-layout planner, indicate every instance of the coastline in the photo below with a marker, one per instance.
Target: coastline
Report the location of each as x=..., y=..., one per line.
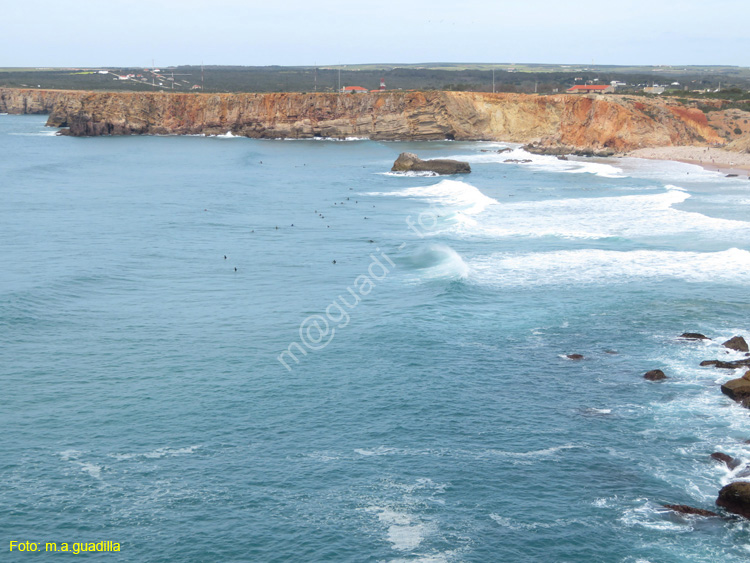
x=710, y=158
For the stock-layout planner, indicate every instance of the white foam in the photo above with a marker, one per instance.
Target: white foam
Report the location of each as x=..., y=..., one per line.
x=68, y=455
x=461, y=209
x=38, y=134
x=452, y=195
x=92, y=470
x=630, y=216
x=544, y=453
x=511, y=524
x=157, y=453
x=546, y=163
x=411, y=174
x=327, y=139
x=405, y=531
x=593, y=266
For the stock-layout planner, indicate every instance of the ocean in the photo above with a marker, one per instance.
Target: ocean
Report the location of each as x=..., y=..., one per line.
x=225, y=349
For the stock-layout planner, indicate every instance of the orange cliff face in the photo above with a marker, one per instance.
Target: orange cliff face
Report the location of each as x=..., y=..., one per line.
x=616, y=123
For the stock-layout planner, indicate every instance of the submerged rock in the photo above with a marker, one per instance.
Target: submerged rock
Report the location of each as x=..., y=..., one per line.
x=736, y=343
x=735, y=497
x=574, y=356
x=518, y=160
x=410, y=162
x=694, y=336
x=685, y=509
x=729, y=461
x=654, y=375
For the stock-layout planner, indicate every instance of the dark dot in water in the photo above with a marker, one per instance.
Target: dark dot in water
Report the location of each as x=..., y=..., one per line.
x=334, y=261
x=225, y=257
x=235, y=269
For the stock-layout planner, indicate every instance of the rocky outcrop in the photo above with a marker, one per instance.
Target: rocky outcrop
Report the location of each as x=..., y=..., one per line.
x=33, y=101
x=410, y=162
x=728, y=460
x=735, y=498
x=588, y=125
x=736, y=343
x=685, y=509
x=694, y=336
x=654, y=375
x=726, y=365
x=737, y=390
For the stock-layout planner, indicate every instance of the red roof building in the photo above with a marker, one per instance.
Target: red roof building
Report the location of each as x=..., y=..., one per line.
x=590, y=89
x=354, y=89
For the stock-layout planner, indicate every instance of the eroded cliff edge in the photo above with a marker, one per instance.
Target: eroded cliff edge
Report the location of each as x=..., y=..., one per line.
x=617, y=123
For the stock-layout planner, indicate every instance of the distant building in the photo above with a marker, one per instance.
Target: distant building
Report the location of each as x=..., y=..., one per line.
x=354, y=90
x=382, y=84
x=617, y=84
x=654, y=89
x=103, y=72
x=195, y=87
x=591, y=89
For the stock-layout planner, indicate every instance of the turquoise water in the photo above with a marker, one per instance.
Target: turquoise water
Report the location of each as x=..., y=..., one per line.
x=432, y=415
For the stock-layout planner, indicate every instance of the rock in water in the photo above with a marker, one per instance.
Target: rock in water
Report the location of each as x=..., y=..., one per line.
x=654, y=375
x=730, y=462
x=409, y=162
x=736, y=343
x=685, y=509
x=574, y=356
x=735, y=497
x=738, y=390
x=694, y=336
x=726, y=365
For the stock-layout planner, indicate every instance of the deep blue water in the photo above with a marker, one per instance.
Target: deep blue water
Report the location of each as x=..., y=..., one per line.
x=433, y=417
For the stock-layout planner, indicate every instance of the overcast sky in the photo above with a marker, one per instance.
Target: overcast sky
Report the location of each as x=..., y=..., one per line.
x=303, y=32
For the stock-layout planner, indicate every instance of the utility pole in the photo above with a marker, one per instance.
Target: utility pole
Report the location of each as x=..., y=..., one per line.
x=493, y=80
x=339, y=80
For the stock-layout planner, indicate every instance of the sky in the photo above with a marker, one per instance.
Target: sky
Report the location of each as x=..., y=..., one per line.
x=101, y=33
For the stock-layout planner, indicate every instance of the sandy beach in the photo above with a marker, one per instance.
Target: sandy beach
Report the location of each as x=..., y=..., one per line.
x=711, y=158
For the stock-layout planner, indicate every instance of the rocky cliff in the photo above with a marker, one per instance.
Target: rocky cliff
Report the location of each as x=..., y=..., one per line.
x=619, y=123
x=33, y=100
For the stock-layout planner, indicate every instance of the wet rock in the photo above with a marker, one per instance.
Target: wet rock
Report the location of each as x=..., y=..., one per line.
x=736, y=343
x=654, y=375
x=611, y=352
x=738, y=390
x=518, y=160
x=735, y=498
x=726, y=365
x=728, y=460
x=743, y=473
x=685, y=509
x=694, y=336
x=504, y=149
x=562, y=157
x=408, y=162
x=574, y=356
